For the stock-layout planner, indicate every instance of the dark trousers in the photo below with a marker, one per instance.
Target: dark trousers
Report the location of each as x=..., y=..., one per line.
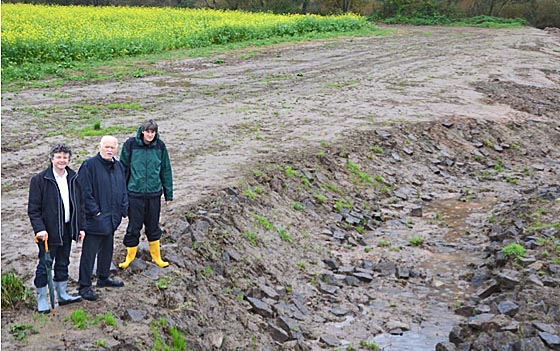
x=100, y=246
x=142, y=212
x=61, y=259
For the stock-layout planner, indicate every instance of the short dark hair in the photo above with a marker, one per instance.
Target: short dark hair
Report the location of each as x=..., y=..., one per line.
x=149, y=125
x=60, y=148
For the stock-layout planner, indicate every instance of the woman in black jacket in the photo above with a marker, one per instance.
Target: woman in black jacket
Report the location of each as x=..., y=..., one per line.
x=56, y=214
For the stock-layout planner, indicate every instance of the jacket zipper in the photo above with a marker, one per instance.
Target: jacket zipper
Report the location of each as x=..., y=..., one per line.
x=60, y=213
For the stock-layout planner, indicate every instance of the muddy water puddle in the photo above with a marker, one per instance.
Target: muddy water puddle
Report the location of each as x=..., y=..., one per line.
x=460, y=216
x=452, y=253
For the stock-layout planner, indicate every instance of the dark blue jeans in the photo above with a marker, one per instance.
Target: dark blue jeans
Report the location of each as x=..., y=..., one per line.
x=61, y=259
x=142, y=212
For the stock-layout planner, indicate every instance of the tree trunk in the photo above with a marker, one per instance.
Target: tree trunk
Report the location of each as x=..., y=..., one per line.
x=503, y=5
x=304, y=4
x=491, y=8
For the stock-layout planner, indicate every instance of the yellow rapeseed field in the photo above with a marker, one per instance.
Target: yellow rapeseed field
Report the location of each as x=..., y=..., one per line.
x=33, y=34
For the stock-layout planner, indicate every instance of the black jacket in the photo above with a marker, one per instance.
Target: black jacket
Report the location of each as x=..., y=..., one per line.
x=46, y=209
x=105, y=196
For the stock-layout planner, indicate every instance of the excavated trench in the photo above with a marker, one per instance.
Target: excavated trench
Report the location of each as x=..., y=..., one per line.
x=344, y=267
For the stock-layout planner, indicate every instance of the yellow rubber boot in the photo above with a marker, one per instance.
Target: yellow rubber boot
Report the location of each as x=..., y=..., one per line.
x=156, y=254
x=130, y=256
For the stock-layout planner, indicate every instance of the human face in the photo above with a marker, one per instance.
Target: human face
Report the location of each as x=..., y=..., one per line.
x=59, y=161
x=108, y=148
x=148, y=136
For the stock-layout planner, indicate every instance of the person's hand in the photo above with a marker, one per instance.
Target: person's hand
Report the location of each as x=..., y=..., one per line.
x=168, y=202
x=81, y=236
x=42, y=235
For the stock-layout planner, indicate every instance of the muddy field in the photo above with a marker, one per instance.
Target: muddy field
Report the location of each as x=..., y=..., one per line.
x=328, y=195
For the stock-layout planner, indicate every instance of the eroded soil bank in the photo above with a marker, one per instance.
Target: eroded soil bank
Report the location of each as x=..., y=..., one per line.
x=329, y=194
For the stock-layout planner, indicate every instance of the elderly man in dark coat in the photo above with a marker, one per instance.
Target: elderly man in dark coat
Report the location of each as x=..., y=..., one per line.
x=102, y=178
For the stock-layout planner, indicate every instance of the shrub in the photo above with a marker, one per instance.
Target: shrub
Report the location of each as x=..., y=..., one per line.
x=417, y=9
x=546, y=14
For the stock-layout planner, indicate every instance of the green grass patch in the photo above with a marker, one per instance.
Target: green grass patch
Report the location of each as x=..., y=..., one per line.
x=250, y=193
x=383, y=243
x=513, y=250
x=167, y=338
x=125, y=106
x=97, y=130
x=106, y=318
x=416, y=241
x=263, y=222
x=306, y=182
x=320, y=198
x=163, y=282
x=252, y=238
x=14, y=292
x=21, y=331
x=332, y=187
x=298, y=206
x=284, y=235
x=363, y=176
x=102, y=343
x=342, y=204
x=369, y=345
x=79, y=319
x=208, y=271
x=290, y=172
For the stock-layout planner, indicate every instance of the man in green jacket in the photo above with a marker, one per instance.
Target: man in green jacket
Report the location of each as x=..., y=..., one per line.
x=148, y=170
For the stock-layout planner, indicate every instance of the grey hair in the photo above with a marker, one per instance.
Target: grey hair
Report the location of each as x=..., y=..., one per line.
x=60, y=148
x=106, y=138
x=149, y=125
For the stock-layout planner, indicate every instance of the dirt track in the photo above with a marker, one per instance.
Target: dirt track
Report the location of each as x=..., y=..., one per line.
x=221, y=115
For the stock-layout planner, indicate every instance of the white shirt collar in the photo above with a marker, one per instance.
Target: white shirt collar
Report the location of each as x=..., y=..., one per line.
x=58, y=176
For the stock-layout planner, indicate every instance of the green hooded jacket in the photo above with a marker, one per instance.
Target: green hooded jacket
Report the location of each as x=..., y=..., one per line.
x=148, y=167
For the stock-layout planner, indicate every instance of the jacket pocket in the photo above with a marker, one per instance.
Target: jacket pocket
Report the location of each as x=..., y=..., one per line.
x=100, y=225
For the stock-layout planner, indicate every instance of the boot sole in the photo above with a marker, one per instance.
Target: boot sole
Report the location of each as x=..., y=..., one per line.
x=162, y=266
x=67, y=302
x=90, y=299
x=109, y=286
